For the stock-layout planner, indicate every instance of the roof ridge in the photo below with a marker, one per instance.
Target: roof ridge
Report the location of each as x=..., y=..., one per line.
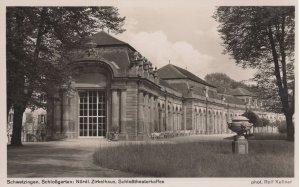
x=190, y=73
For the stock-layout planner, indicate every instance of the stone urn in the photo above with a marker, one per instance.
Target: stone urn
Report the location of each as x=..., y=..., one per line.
x=240, y=125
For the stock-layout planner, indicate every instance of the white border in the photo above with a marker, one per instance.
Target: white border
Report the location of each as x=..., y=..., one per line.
x=170, y=3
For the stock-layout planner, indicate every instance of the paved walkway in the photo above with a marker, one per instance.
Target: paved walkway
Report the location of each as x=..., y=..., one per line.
x=72, y=158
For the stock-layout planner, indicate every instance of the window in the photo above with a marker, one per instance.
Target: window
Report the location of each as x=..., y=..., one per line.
x=43, y=98
x=92, y=113
x=43, y=118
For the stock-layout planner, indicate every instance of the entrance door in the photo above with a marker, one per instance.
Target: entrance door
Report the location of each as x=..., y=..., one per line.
x=92, y=114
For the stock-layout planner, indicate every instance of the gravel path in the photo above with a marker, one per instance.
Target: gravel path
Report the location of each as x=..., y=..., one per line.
x=74, y=158
x=71, y=158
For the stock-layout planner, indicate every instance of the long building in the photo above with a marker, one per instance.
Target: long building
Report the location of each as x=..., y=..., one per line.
x=115, y=88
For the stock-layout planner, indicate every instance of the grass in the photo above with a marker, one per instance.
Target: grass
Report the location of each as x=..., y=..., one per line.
x=200, y=159
x=268, y=136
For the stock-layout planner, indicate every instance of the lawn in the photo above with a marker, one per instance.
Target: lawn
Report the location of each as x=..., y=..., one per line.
x=266, y=158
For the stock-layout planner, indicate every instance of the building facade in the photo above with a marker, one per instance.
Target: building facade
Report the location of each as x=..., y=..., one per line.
x=114, y=88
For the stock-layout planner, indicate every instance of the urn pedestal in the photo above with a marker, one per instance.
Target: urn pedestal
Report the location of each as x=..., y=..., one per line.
x=240, y=146
x=239, y=125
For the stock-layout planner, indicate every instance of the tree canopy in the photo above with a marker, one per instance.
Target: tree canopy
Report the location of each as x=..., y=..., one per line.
x=223, y=82
x=263, y=38
x=37, y=40
x=253, y=118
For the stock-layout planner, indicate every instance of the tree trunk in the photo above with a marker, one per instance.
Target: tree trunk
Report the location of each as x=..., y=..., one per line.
x=17, y=126
x=290, y=127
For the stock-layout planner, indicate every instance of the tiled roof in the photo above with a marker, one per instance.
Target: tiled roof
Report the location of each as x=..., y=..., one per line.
x=103, y=39
x=233, y=100
x=166, y=84
x=173, y=72
x=239, y=92
x=120, y=57
x=181, y=87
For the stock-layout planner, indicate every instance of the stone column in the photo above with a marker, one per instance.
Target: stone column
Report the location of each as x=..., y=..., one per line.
x=179, y=120
x=160, y=119
x=141, y=114
x=216, y=123
x=115, y=109
x=56, y=127
x=66, y=114
x=201, y=122
x=73, y=116
x=174, y=119
x=155, y=120
x=196, y=123
x=151, y=114
x=146, y=115
x=184, y=117
x=123, y=112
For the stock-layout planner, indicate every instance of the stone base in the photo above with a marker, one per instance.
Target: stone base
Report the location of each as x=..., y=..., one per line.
x=123, y=136
x=142, y=137
x=57, y=136
x=240, y=146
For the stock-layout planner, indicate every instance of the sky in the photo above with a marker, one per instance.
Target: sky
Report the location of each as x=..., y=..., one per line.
x=182, y=34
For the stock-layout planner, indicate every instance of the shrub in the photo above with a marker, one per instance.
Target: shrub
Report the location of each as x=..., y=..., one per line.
x=253, y=118
x=282, y=127
x=275, y=123
x=265, y=122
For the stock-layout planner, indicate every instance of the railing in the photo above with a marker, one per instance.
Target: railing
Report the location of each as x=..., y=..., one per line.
x=170, y=134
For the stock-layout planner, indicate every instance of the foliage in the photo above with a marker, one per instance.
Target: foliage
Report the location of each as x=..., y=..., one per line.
x=37, y=39
x=265, y=122
x=282, y=127
x=263, y=38
x=253, y=118
x=115, y=130
x=220, y=80
x=29, y=118
x=223, y=82
x=275, y=123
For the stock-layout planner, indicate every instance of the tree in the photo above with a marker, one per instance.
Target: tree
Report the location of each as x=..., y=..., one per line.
x=223, y=82
x=263, y=37
x=220, y=80
x=37, y=41
x=253, y=118
x=265, y=122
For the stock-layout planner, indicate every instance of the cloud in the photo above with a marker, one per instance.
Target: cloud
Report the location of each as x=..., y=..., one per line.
x=131, y=24
x=199, y=32
x=156, y=47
